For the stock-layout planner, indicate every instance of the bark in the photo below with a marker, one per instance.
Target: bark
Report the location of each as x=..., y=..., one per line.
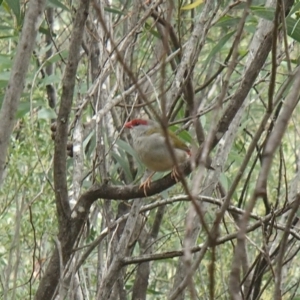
x=67, y=229
x=17, y=77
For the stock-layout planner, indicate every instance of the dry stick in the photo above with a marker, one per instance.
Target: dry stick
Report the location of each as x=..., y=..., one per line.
x=277, y=289
x=274, y=59
x=241, y=93
x=112, y=273
x=284, y=30
x=277, y=134
x=271, y=146
x=171, y=254
x=202, y=248
x=119, y=56
x=222, y=240
x=207, y=147
x=178, y=198
x=181, y=79
x=34, y=250
x=252, y=147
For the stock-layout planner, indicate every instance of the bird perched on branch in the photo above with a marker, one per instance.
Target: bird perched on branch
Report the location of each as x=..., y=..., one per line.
x=149, y=141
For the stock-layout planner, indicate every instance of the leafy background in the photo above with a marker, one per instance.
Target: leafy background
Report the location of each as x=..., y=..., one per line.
x=28, y=211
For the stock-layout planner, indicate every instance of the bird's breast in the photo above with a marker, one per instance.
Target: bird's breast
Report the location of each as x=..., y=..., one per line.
x=155, y=154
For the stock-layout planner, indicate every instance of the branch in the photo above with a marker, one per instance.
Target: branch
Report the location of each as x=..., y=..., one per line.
x=61, y=137
x=67, y=238
x=127, y=192
x=248, y=79
x=17, y=78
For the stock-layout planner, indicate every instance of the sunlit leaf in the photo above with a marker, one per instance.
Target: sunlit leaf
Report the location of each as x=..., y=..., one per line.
x=192, y=5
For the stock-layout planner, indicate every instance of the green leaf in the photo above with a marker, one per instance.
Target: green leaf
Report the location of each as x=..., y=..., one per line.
x=5, y=62
x=88, y=138
x=44, y=30
x=14, y=5
x=293, y=28
x=153, y=292
x=228, y=21
x=295, y=9
x=128, y=149
x=4, y=27
x=4, y=76
x=266, y=13
x=192, y=5
x=46, y=113
x=114, y=11
x=3, y=37
x=58, y=57
x=57, y=4
x=224, y=181
x=23, y=109
x=218, y=47
x=203, y=120
x=123, y=163
x=183, y=135
x=50, y=80
x=152, y=31
x=89, y=144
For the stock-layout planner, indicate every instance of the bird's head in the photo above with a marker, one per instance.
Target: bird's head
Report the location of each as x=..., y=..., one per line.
x=142, y=127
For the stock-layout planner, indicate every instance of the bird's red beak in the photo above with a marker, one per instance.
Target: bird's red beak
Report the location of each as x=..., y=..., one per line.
x=128, y=125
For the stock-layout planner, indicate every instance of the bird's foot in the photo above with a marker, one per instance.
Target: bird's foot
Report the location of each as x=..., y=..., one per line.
x=175, y=174
x=146, y=184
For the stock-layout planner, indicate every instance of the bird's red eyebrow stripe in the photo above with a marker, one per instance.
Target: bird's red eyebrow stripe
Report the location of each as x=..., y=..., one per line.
x=138, y=121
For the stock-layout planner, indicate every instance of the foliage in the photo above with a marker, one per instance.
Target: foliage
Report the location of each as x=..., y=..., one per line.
x=226, y=89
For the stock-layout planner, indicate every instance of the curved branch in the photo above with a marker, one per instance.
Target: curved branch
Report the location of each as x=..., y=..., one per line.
x=127, y=192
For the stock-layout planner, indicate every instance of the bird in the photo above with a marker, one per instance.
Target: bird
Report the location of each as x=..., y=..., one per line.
x=149, y=141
